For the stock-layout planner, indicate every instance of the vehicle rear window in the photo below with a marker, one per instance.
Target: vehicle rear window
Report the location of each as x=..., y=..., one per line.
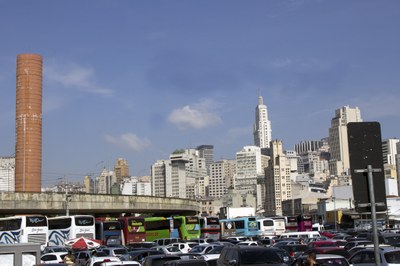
x=259, y=256
x=393, y=257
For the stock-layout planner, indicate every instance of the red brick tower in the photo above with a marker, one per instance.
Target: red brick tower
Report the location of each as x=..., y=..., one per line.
x=28, y=146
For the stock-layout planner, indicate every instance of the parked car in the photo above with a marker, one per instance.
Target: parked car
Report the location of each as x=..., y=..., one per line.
x=137, y=245
x=329, y=250
x=202, y=249
x=54, y=257
x=249, y=243
x=249, y=255
x=51, y=249
x=156, y=260
x=96, y=261
x=121, y=253
x=121, y=263
x=213, y=253
x=324, y=243
x=141, y=254
x=185, y=247
x=294, y=250
x=82, y=257
x=366, y=257
x=187, y=262
x=355, y=243
x=168, y=250
x=323, y=259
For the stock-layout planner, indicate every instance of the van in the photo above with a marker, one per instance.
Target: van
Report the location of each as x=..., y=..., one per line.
x=307, y=234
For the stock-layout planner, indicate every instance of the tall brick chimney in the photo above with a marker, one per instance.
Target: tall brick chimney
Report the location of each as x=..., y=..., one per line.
x=28, y=146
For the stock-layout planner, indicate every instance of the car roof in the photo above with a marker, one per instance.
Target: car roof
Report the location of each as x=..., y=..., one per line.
x=330, y=256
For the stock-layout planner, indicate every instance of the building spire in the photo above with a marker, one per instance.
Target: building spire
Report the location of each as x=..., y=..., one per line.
x=260, y=98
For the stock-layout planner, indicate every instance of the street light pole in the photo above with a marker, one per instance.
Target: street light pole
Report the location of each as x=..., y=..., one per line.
x=369, y=170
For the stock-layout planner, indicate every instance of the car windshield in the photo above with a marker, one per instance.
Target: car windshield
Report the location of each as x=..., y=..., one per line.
x=172, y=249
x=393, y=256
x=120, y=251
x=392, y=240
x=258, y=256
x=216, y=250
x=198, y=249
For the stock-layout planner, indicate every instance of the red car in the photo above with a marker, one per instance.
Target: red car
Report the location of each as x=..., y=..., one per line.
x=323, y=243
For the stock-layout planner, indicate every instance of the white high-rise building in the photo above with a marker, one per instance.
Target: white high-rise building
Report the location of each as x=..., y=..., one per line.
x=262, y=131
x=7, y=174
x=105, y=181
x=221, y=177
x=248, y=169
x=389, y=150
x=178, y=176
x=338, y=142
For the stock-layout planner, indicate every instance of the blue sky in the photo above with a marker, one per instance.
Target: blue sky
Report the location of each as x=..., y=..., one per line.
x=139, y=79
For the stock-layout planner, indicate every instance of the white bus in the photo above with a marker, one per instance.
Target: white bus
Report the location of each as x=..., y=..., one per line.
x=63, y=228
x=210, y=227
x=24, y=229
x=279, y=225
x=266, y=226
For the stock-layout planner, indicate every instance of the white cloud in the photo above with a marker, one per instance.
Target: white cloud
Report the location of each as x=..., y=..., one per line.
x=74, y=76
x=199, y=115
x=129, y=141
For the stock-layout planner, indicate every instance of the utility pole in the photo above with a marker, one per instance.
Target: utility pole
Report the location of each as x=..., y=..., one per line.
x=67, y=197
x=372, y=203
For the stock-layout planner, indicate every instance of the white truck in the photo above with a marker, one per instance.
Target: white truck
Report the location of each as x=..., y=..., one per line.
x=234, y=212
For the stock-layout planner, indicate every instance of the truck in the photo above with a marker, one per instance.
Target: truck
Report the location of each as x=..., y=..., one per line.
x=235, y=212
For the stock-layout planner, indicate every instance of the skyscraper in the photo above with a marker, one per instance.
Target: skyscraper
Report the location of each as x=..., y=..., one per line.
x=28, y=146
x=121, y=169
x=262, y=131
x=207, y=152
x=338, y=142
x=277, y=180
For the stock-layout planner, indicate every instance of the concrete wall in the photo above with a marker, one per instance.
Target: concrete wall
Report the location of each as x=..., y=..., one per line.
x=55, y=203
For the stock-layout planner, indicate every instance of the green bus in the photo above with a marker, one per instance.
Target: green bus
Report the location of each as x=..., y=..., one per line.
x=156, y=227
x=186, y=227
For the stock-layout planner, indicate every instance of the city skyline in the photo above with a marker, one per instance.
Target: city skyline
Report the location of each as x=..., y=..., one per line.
x=139, y=80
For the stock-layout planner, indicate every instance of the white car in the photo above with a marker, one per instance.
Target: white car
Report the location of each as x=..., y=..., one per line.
x=203, y=249
x=168, y=250
x=184, y=247
x=55, y=257
x=119, y=263
x=98, y=260
x=249, y=243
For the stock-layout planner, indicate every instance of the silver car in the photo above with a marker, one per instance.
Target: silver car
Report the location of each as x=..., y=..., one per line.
x=366, y=257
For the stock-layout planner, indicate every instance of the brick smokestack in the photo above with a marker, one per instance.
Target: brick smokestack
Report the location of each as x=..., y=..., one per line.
x=28, y=146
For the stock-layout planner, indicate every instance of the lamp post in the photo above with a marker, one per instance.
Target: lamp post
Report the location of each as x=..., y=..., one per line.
x=334, y=208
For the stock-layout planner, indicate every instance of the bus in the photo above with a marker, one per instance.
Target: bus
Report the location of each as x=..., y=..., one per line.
x=185, y=227
x=156, y=227
x=291, y=223
x=227, y=228
x=108, y=231
x=279, y=225
x=24, y=229
x=210, y=227
x=245, y=226
x=63, y=228
x=133, y=229
x=304, y=223
x=266, y=226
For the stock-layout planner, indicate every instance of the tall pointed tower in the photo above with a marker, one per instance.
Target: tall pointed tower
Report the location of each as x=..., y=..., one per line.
x=262, y=131
x=28, y=146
